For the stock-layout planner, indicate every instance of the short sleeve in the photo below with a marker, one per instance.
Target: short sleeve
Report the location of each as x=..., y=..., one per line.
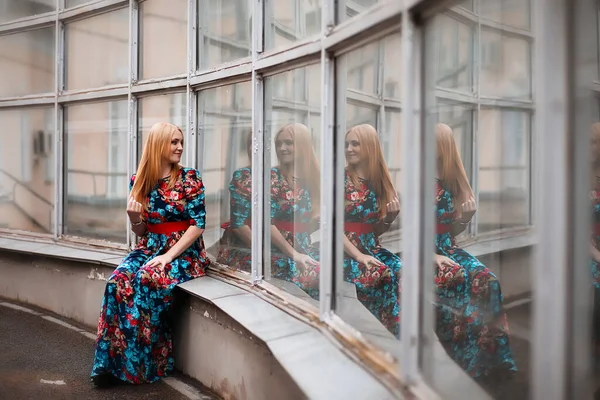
x=240, y=190
x=194, y=194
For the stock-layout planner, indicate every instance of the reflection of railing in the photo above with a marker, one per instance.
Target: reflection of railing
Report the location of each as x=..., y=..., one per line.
x=18, y=183
x=97, y=174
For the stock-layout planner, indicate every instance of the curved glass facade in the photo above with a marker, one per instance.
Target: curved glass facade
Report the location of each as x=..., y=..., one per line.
x=315, y=125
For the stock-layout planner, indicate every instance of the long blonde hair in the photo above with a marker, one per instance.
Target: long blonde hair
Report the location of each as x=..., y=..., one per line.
x=377, y=171
x=306, y=165
x=148, y=172
x=450, y=166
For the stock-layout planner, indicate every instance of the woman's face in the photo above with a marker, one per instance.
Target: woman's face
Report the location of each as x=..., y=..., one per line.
x=176, y=148
x=353, y=151
x=284, y=146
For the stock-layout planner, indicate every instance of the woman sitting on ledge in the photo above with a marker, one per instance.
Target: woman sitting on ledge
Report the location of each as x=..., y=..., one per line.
x=167, y=212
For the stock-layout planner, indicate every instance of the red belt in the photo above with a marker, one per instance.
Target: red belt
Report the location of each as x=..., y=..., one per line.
x=596, y=228
x=359, y=227
x=227, y=224
x=290, y=226
x=443, y=228
x=168, y=227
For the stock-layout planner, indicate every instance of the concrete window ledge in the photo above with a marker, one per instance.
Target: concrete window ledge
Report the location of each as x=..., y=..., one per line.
x=226, y=337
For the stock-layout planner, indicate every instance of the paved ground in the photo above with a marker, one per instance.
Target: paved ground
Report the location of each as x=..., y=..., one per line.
x=33, y=350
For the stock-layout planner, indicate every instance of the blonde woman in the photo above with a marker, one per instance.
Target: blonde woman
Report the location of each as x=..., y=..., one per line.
x=295, y=196
x=471, y=323
x=371, y=206
x=166, y=210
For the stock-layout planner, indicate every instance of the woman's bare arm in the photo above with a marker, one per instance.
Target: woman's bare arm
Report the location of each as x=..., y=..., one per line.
x=244, y=233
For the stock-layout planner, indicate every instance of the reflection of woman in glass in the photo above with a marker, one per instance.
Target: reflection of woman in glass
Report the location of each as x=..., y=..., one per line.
x=235, y=245
x=371, y=205
x=471, y=324
x=595, y=236
x=295, y=197
x=167, y=212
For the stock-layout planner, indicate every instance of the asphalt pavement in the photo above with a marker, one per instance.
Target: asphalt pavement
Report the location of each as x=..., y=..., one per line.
x=42, y=360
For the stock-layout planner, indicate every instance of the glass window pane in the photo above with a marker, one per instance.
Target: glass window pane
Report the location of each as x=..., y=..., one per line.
x=363, y=68
x=503, y=169
x=293, y=126
x=481, y=267
x=367, y=80
x=454, y=53
x=164, y=108
x=291, y=20
x=96, y=50
x=225, y=32
x=225, y=122
x=507, y=12
x=505, y=66
x=392, y=49
x=27, y=62
x=96, y=177
x=347, y=9
x=15, y=9
x=163, y=36
x=27, y=174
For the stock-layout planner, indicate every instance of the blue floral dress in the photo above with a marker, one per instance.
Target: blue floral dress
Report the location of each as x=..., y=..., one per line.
x=471, y=322
x=232, y=251
x=134, y=339
x=377, y=287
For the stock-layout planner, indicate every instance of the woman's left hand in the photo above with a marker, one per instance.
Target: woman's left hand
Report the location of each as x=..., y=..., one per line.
x=392, y=209
x=468, y=209
x=161, y=260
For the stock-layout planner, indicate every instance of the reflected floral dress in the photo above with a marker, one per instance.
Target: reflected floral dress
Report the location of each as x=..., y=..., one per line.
x=232, y=251
x=471, y=322
x=595, y=271
x=291, y=213
x=377, y=287
x=134, y=340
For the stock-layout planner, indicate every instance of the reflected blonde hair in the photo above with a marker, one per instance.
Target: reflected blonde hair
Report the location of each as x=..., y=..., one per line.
x=377, y=171
x=148, y=173
x=450, y=166
x=595, y=133
x=306, y=166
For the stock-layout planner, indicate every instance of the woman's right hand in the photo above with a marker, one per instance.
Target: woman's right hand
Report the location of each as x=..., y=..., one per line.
x=134, y=210
x=305, y=261
x=441, y=261
x=369, y=260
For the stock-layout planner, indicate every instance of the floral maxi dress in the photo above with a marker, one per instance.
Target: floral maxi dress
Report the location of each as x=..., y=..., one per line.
x=232, y=251
x=377, y=287
x=471, y=322
x=291, y=203
x=134, y=339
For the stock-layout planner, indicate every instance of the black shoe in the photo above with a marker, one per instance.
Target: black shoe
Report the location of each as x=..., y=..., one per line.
x=104, y=380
